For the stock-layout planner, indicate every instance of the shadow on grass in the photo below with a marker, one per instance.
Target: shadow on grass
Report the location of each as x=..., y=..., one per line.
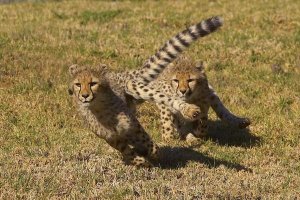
x=224, y=134
x=178, y=157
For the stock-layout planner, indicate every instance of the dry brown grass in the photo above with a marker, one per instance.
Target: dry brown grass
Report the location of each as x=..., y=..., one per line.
x=253, y=63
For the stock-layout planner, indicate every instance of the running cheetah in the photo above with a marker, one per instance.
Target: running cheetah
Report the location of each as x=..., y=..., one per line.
x=108, y=116
x=105, y=98
x=187, y=80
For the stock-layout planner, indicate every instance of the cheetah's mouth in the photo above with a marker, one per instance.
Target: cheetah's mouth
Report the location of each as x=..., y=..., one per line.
x=187, y=95
x=86, y=102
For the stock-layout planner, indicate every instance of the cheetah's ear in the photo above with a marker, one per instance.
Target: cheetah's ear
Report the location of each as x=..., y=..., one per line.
x=71, y=90
x=73, y=69
x=101, y=69
x=200, y=65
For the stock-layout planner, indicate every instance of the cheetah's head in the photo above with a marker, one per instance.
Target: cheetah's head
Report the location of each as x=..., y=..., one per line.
x=86, y=83
x=187, y=78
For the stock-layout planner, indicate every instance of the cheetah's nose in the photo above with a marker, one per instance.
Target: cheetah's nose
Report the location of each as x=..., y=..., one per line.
x=85, y=95
x=182, y=91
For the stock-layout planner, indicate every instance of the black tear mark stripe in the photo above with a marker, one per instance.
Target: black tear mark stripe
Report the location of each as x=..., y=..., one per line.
x=172, y=48
x=79, y=92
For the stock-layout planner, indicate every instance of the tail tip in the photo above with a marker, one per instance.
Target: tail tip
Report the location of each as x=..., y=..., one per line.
x=219, y=20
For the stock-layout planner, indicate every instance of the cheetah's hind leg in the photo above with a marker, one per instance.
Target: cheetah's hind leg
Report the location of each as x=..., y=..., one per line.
x=142, y=144
x=130, y=156
x=224, y=114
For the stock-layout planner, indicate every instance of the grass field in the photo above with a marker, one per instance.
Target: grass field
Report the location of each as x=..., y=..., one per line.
x=253, y=62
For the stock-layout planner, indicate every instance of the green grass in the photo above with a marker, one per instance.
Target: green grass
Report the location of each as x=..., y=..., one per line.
x=99, y=17
x=46, y=151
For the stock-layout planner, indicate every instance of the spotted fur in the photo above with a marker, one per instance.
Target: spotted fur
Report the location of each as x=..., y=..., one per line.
x=136, y=84
x=173, y=47
x=108, y=115
x=187, y=80
x=105, y=98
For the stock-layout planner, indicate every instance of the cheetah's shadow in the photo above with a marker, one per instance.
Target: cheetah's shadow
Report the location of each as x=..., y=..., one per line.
x=220, y=133
x=224, y=134
x=178, y=157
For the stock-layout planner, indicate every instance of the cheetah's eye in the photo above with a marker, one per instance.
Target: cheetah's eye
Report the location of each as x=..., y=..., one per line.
x=93, y=84
x=190, y=80
x=175, y=80
x=78, y=84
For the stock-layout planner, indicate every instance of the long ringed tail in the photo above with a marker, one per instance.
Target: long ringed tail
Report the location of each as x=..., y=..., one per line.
x=172, y=48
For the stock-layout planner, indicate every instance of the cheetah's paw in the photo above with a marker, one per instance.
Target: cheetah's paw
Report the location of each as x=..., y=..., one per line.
x=190, y=111
x=244, y=122
x=191, y=139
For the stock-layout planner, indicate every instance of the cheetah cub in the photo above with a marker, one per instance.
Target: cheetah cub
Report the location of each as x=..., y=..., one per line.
x=187, y=81
x=102, y=101
x=106, y=99
x=109, y=117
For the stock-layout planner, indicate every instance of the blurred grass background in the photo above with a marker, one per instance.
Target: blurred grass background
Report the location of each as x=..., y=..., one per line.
x=253, y=63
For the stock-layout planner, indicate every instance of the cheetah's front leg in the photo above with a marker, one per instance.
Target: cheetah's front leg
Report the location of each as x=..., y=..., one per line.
x=201, y=128
x=169, y=128
x=141, y=91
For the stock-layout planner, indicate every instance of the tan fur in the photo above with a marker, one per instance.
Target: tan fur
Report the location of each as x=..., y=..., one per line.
x=108, y=116
x=186, y=80
x=106, y=99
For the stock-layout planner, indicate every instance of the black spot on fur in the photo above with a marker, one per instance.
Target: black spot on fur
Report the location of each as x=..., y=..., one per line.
x=158, y=55
x=152, y=59
x=147, y=65
x=161, y=66
x=152, y=76
x=157, y=70
x=168, y=60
